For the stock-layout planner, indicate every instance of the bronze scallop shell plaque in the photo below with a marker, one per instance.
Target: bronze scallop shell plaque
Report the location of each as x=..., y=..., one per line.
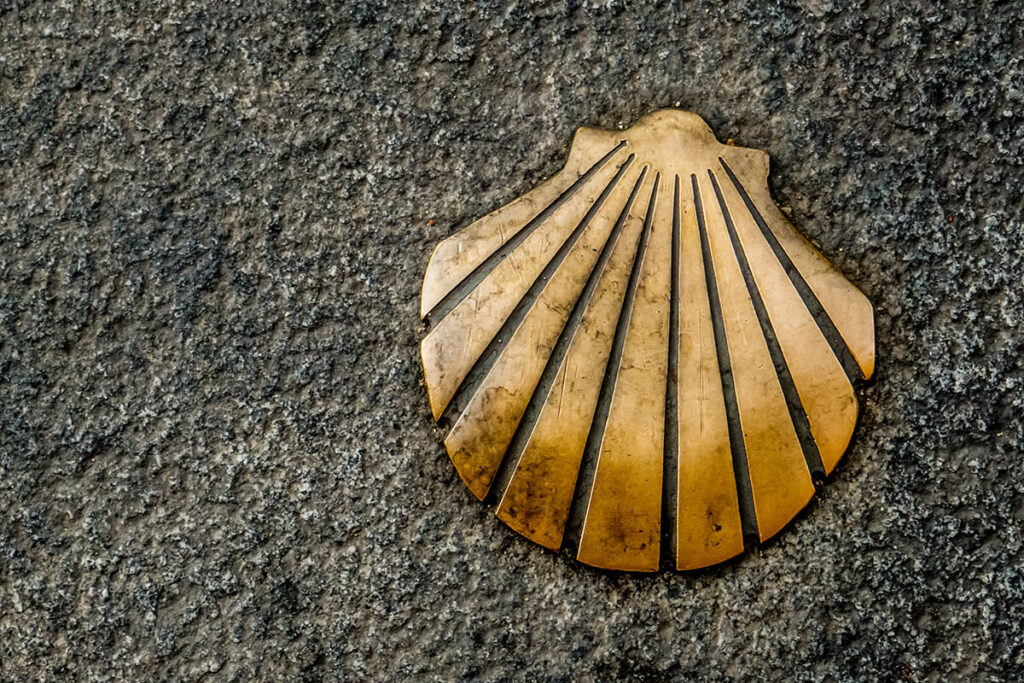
x=641, y=359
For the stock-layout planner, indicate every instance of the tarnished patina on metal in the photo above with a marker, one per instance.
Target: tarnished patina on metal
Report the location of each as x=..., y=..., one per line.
x=641, y=359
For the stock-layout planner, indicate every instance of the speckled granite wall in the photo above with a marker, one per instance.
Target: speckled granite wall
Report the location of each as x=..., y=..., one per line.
x=216, y=455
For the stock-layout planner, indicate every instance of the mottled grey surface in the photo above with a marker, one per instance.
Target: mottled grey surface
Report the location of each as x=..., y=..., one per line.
x=216, y=454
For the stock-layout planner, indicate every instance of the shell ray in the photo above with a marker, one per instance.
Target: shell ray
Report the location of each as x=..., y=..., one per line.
x=537, y=499
x=789, y=391
x=709, y=526
x=859, y=366
x=526, y=304
x=588, y=468
x=538, y=399
x=669, y=479
x=621, y=524
x=454, y=346
x=446, y=286
x=487, y=425
x=647, y=376
x=741, y=472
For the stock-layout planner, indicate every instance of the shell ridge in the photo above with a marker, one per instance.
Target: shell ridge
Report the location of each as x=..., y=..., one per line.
x=502, y=384
x=525, y=304
x=455, y=345
x=588, y=466
x=797, y=414
x=819, y=391
x=856, y=368
x=707, y=524
x=621, y=527
x=553, y=363
x=737, y=447
x=780, y=479
x=558, y=438
x=452, y=293
x=670, y=471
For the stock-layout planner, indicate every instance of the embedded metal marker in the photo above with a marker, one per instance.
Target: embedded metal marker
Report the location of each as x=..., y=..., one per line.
x=552, y=320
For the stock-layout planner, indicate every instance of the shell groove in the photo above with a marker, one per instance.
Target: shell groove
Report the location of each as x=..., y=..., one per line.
x=641, y=359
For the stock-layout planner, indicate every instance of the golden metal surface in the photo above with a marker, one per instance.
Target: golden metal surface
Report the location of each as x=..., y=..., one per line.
x=622, y=525
x=708, y=527
x=536, y=502
x=641, y=359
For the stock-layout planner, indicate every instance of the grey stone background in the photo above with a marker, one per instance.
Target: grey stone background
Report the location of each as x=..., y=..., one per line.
x=216, y=455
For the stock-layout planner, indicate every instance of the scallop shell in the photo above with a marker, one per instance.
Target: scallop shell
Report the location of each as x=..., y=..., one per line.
x=641, y=360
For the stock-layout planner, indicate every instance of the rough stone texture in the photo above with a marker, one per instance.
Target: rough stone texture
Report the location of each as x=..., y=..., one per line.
x=216, y=455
